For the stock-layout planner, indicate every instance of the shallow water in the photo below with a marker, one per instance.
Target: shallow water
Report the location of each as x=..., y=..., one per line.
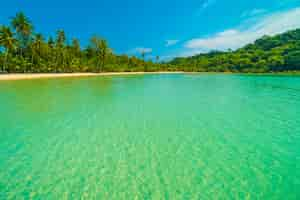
x=175, y=136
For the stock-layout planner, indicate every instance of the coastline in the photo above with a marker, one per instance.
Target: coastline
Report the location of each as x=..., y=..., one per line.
x=29, y=76
x=25, y=76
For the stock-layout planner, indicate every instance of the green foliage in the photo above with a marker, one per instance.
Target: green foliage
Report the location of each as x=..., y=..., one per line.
x=22, y=50
x=267, y=54
x=292, y=59
x=23, y=28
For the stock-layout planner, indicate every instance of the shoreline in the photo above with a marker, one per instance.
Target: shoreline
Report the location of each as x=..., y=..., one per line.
x=29, y=76
x=25, y=76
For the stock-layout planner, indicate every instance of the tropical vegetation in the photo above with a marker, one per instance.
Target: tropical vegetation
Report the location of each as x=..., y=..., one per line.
x=24, y=51
x=268, y=54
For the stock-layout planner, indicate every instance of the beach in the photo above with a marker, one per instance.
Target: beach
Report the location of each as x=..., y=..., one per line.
x=14, y=76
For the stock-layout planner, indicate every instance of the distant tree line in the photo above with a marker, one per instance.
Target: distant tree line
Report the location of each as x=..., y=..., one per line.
x=24, y=51
x=267, y=54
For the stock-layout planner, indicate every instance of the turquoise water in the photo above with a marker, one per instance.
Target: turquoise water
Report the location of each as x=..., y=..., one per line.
x=174, y=136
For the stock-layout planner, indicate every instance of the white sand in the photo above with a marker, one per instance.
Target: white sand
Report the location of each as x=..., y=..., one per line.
x=60, y=75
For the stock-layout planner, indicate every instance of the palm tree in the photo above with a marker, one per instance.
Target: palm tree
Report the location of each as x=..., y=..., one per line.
x=157, y=59
x=60, y=44
x=8, y=41
x=38, y=41
x=94, y=48
x=50, y=42
x=36, y=48
x=143, y=53
x=104, y=50
x=60, y=38
x=101, y=49
x=23, y=28
x=76, y=47
x=50, y=52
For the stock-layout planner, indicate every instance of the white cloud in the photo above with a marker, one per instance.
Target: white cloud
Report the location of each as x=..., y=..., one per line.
x=140, y=50
x=171, y=42
x=223, y=40
x=237, y=37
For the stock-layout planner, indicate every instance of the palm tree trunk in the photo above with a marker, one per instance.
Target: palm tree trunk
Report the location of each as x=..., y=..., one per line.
x=32, y=59
x=21, y=52
x=98, y=64
x=4, y=62
x=103, y=62
x=56, y=62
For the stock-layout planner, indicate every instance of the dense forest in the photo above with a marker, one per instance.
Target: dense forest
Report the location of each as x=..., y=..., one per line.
x=268, y=54
x=24, y=51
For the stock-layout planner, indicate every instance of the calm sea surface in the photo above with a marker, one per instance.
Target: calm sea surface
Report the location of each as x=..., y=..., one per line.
x=179, y=136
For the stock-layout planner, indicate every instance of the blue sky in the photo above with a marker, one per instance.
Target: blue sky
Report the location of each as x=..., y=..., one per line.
x=167, y=28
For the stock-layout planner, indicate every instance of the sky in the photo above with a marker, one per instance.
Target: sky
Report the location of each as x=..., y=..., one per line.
x=165, y=28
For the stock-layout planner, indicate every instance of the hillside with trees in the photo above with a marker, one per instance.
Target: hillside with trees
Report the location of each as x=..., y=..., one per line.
x=24, y=51
x=268, y=54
